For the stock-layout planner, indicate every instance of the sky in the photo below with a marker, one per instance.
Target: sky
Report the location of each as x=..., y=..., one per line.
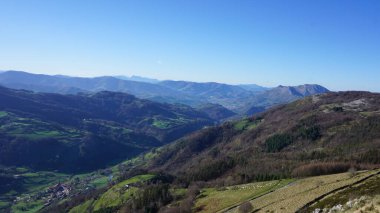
x=335, y=43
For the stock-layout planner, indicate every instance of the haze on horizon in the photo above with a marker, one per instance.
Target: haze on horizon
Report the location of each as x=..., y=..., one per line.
x=334, y=43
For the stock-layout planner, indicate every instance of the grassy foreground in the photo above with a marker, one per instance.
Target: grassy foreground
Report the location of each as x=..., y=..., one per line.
x=285, y=195
x=213, y=200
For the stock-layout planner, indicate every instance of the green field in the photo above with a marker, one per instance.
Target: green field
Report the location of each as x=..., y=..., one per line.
x=168, y=123
x=115, y=196
x=246, y=124
x=83, y=207
x=100, y=182
x=3, y=114
x=27, y=207
x=34, y=129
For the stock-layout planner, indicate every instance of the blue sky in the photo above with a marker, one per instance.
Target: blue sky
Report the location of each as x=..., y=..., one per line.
x=335, y=43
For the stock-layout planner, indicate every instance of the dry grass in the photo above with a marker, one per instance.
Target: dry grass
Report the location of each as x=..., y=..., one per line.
x=294, y=196
x=213, y=200
x=370, y=205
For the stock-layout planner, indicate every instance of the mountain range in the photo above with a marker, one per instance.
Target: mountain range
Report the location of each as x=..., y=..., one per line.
x=242, y=99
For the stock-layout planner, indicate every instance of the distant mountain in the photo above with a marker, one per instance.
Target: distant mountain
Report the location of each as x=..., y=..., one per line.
x=300, y=91
x=281, y=95
x=211, y=92
x=207, y=90
x=67, y=85
x=242, y=99
x=75, y=133
x=253, y=87
x=138, y=78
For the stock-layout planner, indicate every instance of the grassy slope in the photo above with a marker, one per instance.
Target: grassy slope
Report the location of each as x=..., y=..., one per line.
x=33, y=129
x=213, y=200
x=296, y=195
x=115, y=196
x=369, y=190
x=285, y=195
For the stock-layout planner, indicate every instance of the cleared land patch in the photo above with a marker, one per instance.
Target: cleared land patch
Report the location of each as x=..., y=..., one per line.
x=213, y=200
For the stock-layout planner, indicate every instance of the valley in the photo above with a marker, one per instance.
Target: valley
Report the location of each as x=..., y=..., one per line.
x=197, y=106
x=255, y=163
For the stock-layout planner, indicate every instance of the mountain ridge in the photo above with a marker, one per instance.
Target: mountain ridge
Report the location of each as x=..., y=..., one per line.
x=234, y=97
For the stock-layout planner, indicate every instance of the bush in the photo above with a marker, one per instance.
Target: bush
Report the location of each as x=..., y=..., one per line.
x=245, y=207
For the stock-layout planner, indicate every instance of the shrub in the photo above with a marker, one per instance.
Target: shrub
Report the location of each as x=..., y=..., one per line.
x=245, y=207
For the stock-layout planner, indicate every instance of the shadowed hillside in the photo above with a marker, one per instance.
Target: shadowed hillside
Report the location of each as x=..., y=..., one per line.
x=82, y=132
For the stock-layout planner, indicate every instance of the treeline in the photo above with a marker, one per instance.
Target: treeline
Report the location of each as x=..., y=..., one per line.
x=211, y=170
x=325, y=168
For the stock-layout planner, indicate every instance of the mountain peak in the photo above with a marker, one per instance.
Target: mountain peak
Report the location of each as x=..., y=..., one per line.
x=303, y=90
